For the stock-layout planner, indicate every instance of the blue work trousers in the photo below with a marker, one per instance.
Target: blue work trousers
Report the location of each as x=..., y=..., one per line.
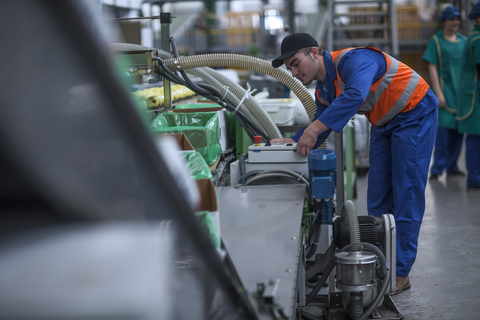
x=400, y=156
x=447, y=148
x=472, y=146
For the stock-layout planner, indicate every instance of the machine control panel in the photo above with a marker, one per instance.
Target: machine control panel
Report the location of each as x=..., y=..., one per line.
x=275, y=153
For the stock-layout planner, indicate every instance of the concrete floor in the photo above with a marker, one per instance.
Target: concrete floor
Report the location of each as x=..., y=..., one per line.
x=446, y=275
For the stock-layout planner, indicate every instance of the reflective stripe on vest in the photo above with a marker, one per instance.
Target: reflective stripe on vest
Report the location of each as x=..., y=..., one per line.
x=385, y=102
x=324, y=101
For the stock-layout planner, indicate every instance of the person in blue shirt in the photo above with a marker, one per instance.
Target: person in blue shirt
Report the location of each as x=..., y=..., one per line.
x=403, y=113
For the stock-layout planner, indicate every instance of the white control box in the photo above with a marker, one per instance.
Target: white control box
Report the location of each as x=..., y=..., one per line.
x=275, y=153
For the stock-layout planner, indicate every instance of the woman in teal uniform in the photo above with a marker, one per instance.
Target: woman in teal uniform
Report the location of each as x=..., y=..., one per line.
x=444, y=55
x=468, y=112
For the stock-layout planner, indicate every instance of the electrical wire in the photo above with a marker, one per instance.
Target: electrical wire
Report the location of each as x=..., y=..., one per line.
x=209, y=90
x=250, y=127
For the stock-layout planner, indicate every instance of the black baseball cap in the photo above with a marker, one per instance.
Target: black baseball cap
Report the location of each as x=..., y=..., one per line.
x=292, y=44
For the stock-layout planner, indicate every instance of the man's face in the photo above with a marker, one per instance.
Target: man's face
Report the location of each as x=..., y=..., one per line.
x=303, y=67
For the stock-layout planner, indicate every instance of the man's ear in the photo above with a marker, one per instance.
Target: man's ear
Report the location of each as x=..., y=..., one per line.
x=314, y=52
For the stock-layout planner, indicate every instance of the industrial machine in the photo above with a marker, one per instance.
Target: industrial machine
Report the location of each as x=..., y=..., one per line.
x=96, y=206
x=359, y=250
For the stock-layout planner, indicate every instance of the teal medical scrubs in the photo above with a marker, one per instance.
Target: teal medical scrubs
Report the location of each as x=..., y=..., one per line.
x=447, y=56
x=468, y=112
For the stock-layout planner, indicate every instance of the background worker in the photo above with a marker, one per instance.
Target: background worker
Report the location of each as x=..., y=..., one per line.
x=403, y=113
x=468, y=112
x=444, y=55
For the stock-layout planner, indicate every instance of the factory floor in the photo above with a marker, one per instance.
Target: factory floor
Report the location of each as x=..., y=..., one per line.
x=445, y=278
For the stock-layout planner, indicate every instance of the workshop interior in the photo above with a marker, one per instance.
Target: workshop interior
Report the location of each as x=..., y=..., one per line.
x=138, y=176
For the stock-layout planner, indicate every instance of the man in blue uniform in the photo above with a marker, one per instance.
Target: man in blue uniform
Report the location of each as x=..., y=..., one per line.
x=403, y=117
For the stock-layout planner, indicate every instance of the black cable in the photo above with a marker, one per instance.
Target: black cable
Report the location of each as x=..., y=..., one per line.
x=314, y=234
x=217, y=93
x=190, y=83
x=320, y=282
x=246, y=123
x=207, y=89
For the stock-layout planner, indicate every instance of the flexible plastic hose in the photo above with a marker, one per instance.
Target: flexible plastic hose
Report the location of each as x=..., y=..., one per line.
x=241, y=160
x=319, y=285
x=250, y=127
x=259, y=177
x=213, y=88
x=225, y=92
x=259, y=114
x=247, y=62
x=379, y=296
x=349, y=210
x=355, y=305
x=321, y=263
x=307, y=316
x=294, y=174
x=251, y=173
x=313, y=247
x=235, y=93
x=370, y=247
x=250, y=107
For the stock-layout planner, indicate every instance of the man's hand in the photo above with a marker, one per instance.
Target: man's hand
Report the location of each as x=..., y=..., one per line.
x=309, y=138
x=284, y=140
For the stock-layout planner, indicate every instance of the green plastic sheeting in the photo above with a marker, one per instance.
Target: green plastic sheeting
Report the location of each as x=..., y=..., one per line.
x=201, y=128
x=231, y=120
x=207, y=221
x=196, y=165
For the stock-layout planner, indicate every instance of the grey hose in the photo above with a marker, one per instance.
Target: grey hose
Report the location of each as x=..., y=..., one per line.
x=210, y=79
x=251, y=174
x=349, y=210
x=235, y=93
x=307, y=316
x=251, y=104
x=372, y=248
x=294, y=174
x=379, y=296
x=313, y=245
x=321, y=263
x=328, y=269
x=201, y=73
x=383, y=260
x=262, y=176
x=241, y=160
x=247, y=62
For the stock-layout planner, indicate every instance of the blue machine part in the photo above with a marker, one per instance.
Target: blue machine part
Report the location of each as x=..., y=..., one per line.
x=322, y=171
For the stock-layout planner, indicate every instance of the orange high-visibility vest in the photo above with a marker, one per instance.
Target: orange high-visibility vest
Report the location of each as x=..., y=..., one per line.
x=399, y=90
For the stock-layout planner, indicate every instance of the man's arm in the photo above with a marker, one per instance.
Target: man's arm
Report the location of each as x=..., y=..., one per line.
x=283, y=140
x=309, y=138
x=359, y=72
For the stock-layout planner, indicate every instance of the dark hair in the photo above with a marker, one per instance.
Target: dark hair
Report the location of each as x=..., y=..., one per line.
x=306, y=51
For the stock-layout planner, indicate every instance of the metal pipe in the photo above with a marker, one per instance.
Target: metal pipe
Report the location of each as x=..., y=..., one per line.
x=165, y=21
